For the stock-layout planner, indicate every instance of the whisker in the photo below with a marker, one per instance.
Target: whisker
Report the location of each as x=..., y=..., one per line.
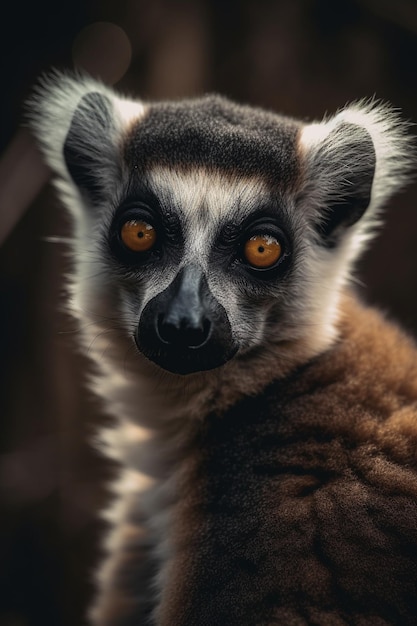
x=58, y=239
x=130, y=349
x=97, y=336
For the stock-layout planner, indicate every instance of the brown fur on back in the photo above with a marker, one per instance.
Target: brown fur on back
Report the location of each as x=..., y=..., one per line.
x=299, y=506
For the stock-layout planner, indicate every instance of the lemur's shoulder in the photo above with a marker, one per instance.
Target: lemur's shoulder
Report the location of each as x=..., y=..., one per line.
x=372, y=354
x=372, y=360
x=369, y=376
x=363, y=388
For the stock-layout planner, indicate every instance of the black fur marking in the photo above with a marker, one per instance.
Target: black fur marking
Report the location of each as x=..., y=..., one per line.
x=88, y=144
x=218, y=134
x=228, y=250
x=143, y=205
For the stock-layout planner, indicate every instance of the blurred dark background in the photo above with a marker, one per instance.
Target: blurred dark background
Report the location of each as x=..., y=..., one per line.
x=300, y=57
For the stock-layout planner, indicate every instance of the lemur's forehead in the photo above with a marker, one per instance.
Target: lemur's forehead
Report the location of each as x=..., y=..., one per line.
x=216, y=134
x=199, y=194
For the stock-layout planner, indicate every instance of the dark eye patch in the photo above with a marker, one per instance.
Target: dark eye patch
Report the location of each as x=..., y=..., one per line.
x=145, y=208
x=229, y=247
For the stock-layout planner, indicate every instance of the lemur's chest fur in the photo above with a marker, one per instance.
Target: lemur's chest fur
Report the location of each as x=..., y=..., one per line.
x=296, y=506
x=301, y=506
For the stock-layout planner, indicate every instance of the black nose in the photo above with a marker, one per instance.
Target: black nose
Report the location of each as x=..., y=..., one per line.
x=184, y=329
x=187, y=331
x=184, y=320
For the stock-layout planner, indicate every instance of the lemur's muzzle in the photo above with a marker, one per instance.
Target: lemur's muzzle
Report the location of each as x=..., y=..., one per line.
x=184, y=329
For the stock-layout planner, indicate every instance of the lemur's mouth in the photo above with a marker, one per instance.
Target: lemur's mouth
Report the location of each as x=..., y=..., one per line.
x=184, y=329
x=184, y=361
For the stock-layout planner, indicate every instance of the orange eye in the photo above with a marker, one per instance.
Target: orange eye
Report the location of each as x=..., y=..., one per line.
x=138, y=236
x=262, y=251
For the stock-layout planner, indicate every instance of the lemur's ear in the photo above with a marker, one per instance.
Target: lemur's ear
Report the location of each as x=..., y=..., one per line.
x=353, y=170
x=352, y=165
x=90, y=148
x=80, y=125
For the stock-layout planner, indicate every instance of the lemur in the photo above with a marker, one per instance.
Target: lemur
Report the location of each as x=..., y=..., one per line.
x=265, y=420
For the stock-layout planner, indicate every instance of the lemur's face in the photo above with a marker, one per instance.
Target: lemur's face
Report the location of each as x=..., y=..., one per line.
x=207, y=231
x=202, y=259
x=199, y=240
